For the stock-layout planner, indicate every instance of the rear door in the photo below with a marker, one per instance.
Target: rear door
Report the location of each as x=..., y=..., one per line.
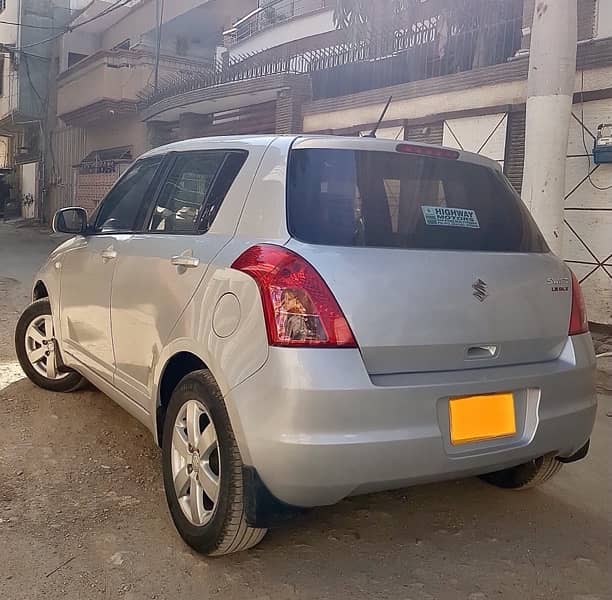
x=158, y=270
x=435, y=261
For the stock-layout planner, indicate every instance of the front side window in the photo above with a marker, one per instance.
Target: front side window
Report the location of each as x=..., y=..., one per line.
x=120, y=209
x=195, y=187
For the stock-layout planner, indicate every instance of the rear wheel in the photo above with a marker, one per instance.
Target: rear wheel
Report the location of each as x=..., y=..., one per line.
x=527, y=475
x=203, y=470
x=37, y=350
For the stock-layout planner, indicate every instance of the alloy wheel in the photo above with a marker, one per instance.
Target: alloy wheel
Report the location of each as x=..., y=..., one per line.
x=41, y=348
x=196, y=464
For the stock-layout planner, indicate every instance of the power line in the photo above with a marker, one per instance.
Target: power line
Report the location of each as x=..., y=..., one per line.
x=160, y=7
x=106, y=11
x=118, y=4
x=110, y=9
x=31, y=82
x=46, y=138
x=4, y=48
x=45, y=101
x=30, y=26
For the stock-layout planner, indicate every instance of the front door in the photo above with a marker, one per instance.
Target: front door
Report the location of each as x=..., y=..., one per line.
x=86, y=276
x=159, y=269
x=87, y=272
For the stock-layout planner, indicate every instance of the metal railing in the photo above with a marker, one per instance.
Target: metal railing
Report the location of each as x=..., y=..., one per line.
x=271, y=13
x=133, y=58
x=434, y=46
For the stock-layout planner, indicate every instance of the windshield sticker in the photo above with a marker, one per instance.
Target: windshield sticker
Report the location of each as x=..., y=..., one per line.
x=450, y=217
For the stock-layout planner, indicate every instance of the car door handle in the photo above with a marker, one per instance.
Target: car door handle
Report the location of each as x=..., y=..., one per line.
x=109, y=254
x=185, y=260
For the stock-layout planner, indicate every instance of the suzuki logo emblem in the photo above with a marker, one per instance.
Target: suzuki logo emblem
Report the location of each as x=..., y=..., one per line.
x=480, y=290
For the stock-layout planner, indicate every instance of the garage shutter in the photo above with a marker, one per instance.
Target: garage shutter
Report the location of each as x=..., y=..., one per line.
x=515, y=149
x=427, y=134
x=248, y=120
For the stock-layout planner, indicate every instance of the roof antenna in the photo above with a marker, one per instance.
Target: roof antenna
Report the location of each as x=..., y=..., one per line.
x=372, y=133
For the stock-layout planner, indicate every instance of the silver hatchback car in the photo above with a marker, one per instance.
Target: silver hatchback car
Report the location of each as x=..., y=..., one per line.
x=300, y=319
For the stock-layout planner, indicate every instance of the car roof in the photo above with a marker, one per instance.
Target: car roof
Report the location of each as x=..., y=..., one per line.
x=207, y=143
x=309, y=141
x=384, y=145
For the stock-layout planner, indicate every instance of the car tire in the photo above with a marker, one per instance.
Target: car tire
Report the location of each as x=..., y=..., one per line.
x=33, y=335
x=527, y=475
x=199, y=451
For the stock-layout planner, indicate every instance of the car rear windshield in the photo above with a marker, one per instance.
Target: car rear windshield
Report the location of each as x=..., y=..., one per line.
x=397, y=200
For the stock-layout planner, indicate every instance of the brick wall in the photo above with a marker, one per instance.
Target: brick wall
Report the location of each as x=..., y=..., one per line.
x=289, y=105
x=91, y=188
x=288, y=113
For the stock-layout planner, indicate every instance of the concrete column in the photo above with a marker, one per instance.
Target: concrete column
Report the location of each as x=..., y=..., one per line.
x=552, y=70
x=288, y=112
x=289, y=104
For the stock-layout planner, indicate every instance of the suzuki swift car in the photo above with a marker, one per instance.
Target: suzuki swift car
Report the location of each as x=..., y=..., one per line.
x=300, y=319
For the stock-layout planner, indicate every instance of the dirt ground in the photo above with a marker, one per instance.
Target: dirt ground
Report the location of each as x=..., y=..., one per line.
x=83, y=516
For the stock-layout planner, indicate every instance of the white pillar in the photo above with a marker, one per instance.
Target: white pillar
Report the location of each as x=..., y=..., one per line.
x=552, y=71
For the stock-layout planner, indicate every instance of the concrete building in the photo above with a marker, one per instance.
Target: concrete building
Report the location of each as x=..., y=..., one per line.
x=271, y=24
x=104, y=65
x=457, y=72
x=25, y=61
x=483, y=110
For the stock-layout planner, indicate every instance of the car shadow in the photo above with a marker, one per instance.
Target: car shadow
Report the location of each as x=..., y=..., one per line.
x=444, y=540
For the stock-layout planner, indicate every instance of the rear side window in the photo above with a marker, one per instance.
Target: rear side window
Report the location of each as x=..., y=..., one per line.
x=393, y=200
x=194, y=190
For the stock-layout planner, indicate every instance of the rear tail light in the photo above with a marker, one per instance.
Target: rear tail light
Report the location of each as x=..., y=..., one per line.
x=427, y=151
x=299, y=308
x=578, y=319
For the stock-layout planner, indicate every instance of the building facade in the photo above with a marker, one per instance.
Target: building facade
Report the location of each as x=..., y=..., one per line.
x=104, y=66
x=457, y=72
x=26, y=27
x=483, y=110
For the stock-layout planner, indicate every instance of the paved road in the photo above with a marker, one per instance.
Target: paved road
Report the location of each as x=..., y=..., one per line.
x=82, y=512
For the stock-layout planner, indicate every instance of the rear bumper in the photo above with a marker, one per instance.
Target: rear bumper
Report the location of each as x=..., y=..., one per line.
x=317, y=428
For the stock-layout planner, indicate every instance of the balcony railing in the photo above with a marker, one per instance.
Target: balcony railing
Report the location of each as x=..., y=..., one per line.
x=273, y=12
x=409, y=50
x=116, y=75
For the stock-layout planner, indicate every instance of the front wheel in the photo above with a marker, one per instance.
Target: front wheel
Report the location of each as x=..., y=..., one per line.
x=527, y=475
x=202, y=470
x=37, y=350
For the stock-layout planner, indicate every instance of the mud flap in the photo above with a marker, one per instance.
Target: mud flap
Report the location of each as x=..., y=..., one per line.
x=262, y=508
x=577, y=456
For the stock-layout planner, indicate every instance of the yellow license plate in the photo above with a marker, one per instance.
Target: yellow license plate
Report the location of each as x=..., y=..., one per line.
x=476, y=418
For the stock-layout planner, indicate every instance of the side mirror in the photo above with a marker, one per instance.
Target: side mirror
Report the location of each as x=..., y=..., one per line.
x=70, y=220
